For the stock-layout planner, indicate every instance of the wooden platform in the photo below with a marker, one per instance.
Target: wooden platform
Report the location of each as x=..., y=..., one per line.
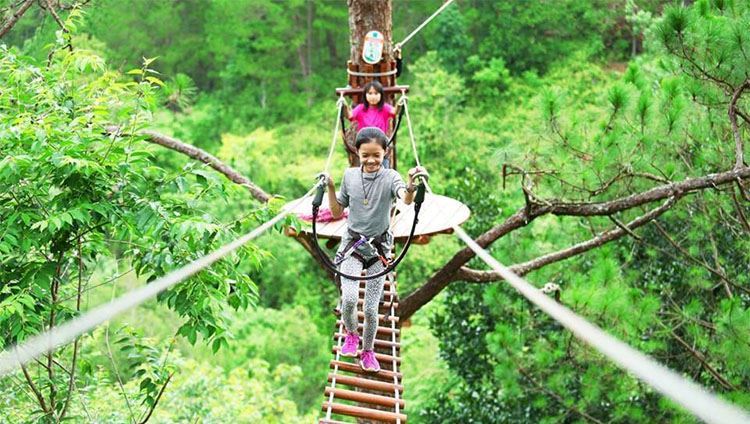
x=438, y=215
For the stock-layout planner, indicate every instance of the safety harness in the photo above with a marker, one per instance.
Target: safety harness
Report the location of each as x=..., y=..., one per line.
x=325, y=260
x=377, y=243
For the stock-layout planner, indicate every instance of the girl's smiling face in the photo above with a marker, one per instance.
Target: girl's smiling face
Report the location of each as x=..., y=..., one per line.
x=371, y=156
x=373, y=96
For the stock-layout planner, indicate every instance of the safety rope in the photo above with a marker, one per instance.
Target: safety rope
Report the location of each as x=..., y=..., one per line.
x=397, y=125
x=405, y=107
x=394, y=365
x=427, y=21
x=65, y=333
x=340, y=104
x=691, y=396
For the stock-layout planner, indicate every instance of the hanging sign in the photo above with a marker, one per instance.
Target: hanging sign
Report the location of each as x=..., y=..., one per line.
x=372, y=51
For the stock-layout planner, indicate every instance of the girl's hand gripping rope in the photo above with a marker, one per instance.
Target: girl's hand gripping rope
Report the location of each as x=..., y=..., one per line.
x=417, y=172
x=323, y=180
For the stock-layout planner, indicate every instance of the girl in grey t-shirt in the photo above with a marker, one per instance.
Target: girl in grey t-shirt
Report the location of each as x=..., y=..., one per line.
x=369, y=192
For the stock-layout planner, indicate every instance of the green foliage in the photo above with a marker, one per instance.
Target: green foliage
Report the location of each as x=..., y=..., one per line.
x=539, y=89
x=288, y=341
x=73, y=195
x=645, y=292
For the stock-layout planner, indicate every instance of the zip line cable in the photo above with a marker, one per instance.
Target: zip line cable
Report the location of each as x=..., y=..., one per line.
x=691, y=396
x=427, y=21
x=67, y=332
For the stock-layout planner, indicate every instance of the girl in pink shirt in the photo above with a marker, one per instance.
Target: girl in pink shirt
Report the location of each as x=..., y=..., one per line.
x=373, y=112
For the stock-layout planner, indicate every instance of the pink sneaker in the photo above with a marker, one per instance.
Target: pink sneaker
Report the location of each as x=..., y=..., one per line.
x=351, y=343
x=368, y=362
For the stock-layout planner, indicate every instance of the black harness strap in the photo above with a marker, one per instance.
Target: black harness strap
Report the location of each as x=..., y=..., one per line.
x=377, y=242
x=318, y=200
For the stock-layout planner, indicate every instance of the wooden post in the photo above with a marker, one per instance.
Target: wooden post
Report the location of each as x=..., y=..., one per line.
x=366, y=16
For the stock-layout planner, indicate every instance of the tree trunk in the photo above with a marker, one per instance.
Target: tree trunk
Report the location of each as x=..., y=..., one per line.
x=365, y=16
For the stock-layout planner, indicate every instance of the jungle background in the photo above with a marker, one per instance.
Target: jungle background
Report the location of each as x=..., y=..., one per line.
x=591, y=100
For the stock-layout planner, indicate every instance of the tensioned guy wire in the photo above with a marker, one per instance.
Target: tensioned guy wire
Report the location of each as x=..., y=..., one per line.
x=691, y=396
x=423, y=24
x=67, y=332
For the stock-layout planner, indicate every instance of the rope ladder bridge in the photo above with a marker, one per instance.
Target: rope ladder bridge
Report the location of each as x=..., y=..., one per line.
x=379, y=396
x=692, y=397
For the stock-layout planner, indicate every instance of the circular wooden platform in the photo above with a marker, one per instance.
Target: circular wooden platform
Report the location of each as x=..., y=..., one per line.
x=438, y=215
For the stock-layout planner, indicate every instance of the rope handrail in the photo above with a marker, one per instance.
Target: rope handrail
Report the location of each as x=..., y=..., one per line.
x=65, y=333
x=693, y=397
x=427, y=21
x=340, y=105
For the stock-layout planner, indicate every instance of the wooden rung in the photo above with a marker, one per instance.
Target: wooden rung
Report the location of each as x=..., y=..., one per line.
x=361, y=397
x=364, y=383
x=381, y=317
x=359, y=412
x=378, y=342
x=381, y=330
x=324, y=421
x=383, y=374
x=381, y=357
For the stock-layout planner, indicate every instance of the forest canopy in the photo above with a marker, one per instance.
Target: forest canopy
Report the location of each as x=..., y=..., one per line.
x=601, y=147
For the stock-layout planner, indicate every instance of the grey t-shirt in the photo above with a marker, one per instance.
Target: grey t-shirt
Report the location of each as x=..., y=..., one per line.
x=371, y=219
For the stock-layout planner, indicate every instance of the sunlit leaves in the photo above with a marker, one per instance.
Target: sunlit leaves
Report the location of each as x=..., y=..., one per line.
x=74, y=191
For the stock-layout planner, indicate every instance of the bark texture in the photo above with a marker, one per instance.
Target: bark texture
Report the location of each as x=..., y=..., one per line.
x=365, y=16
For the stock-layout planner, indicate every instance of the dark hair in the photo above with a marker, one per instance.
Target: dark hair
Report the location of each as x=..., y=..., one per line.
x=379, y=88
x=371, y=135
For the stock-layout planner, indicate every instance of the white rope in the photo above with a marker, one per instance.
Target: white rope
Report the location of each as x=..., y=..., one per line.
x=691, y=396
x=67, y=332
x=372, y=74
x=340, y=104
x=405, y=101
x=427, y=21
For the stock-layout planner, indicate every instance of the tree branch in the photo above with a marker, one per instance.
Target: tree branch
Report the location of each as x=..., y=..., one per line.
x=743, y=116
x=475, y=276
x=444, y=276
x=15, y=17
x=34, y=389
x=740, y=213
x=202, y=156
x=54, y=14
x=555, y=396
x=156, y=402
x=701, y=358
x=210, y=160
x=79, y=291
